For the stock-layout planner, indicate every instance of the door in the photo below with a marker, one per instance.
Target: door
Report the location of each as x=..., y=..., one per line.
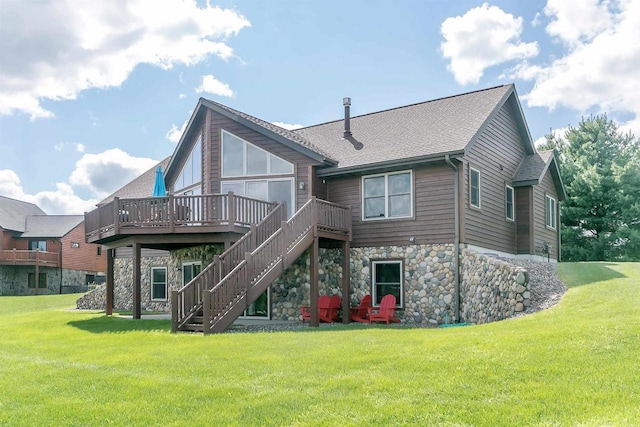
x=190, y=270
x=260, y=309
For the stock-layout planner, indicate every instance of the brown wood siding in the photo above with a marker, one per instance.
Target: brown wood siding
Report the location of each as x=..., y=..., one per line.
x=524, y=202
x=302, y=163
x=541, y=232
x=319, y=187
x=433, y=220
x=85, y=257
x=127, y=252
x=496, y=154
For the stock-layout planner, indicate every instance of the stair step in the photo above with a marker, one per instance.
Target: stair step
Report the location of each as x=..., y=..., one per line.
x=196, y=327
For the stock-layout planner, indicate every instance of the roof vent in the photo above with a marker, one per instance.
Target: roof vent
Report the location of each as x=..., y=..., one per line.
x=347, y=116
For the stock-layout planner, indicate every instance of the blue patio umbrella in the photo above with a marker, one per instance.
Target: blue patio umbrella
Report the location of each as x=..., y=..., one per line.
x=159, y=189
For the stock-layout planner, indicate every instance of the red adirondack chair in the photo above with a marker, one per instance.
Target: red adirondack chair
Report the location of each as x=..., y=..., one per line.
x=323, y=306
x=330, y=315
x=384, y=313
x=360, y=313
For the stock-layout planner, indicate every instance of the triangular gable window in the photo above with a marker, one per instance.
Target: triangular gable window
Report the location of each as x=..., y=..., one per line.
x=191, y=174
x=241, y=158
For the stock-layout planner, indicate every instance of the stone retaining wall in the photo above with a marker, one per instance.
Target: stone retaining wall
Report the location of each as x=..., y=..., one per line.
x=491, y=289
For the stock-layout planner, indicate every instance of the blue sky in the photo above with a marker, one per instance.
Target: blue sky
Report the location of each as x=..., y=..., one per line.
x=92, y=94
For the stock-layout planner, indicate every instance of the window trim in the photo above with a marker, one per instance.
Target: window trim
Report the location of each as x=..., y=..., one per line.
x=166, y=283
x=554, y=212
x=386, y=216
x=479, y=205
x=290, y=209
x=189, y=187
x=374, y=295
x=508, y=189
x=244, y=159
x=37, y=280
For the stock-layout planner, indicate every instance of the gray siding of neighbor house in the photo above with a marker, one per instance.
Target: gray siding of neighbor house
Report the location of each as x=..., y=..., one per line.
x=302, y=164
x=433, y=210
x=496, y=154
x=524, y=219
x=541, y=232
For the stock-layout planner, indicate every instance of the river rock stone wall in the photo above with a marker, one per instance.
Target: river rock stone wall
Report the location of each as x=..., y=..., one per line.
x=491, y=289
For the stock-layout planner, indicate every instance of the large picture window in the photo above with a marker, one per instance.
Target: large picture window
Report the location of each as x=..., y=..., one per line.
x=159, y=283
x=474, y=188
x=270, y=190
x=550, y=212
x=509, y=203
x=386, y=278
x=240, y=158
x=387, y=195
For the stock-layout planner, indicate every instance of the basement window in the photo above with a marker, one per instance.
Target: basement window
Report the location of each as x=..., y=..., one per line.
x=386, y=278
x=42, y=280
x=159, y=283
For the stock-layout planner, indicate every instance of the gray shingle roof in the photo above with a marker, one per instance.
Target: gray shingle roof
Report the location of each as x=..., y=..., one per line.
x=532, y=167
x=285, y=133
x=13, y=213
x=421, y=130
x=140, y=187
x=50, y=226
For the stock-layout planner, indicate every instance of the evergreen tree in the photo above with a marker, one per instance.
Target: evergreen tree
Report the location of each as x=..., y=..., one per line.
x=600, y=167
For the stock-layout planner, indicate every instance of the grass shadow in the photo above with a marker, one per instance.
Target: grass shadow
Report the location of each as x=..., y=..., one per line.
x=589, y=273
x=118, y=325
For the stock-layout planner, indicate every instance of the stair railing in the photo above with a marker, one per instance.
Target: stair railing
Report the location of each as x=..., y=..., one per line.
x=187, y=300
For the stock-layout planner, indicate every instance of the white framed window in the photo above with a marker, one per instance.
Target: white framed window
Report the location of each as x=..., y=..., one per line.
x=550, y=214
x=386, y=278
x=271, y=190
x=159, y=283
x=190, y=178
x=474, y=188
x=387, y=196
x=241, y=158
x=509, y=202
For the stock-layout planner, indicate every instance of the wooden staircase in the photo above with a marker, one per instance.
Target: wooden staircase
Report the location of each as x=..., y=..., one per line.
x=215, y=298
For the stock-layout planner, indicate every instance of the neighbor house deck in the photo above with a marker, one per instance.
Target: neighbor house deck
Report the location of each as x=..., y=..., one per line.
x=34, y=257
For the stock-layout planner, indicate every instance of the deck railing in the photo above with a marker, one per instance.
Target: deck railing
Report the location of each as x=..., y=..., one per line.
x=188, y=299
x=247, y=274
x=29, y=257
x=120, y=216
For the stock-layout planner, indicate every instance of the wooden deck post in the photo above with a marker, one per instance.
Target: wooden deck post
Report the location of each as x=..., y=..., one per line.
x=171, y=216
x=37, y=271
x=116, y=216
x=346, y=273
x=174, y=311
x=313, y=288
x=110, y=263
x=137, y=306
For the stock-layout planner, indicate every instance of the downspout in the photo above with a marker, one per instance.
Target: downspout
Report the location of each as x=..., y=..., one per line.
x=60, y=260
x=456, y=238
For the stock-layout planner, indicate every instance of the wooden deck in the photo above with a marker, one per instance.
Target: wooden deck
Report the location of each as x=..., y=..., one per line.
x=24, y=257
x=174, y=216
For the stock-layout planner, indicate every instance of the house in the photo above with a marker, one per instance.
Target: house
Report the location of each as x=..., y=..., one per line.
x=401, y=199
x=45, y=254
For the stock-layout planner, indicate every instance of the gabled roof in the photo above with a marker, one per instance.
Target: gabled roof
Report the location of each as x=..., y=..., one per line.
x=533, y=167
x=416, y=132
x=13, y=213
x=50, y=226
x=284, y=136
x=140, y=187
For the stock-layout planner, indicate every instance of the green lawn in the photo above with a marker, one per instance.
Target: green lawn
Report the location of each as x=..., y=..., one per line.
x=575, y=364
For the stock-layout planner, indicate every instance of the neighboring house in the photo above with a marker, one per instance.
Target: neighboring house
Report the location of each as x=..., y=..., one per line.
x=409, y=191
x=45, y=254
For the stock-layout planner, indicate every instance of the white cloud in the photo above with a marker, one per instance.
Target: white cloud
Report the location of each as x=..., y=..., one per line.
x=598, y=71
x=483, y=37
x=63, y=201
x=105, y=172
x=58, y=48
x=558, y=133
x=182, y=96
x=80, y=148
x=288, y=125
x=60, y=146
x=174, y=134
x=213, y=86
x=576, y=21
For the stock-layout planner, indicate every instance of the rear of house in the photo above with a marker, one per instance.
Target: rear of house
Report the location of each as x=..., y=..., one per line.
x=420, y=183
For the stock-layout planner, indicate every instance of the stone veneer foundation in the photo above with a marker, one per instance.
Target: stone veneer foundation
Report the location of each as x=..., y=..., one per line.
x=491, y=289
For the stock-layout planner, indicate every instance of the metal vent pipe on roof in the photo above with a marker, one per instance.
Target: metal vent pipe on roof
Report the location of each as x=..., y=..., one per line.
x=347, y=117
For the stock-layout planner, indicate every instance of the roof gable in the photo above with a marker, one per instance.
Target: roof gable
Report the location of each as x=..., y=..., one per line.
x=276, y=133
x=13, y=213
x=534, y=166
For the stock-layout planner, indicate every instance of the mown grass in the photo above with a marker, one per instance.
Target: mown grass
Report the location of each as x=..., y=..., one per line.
x=574, y=364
